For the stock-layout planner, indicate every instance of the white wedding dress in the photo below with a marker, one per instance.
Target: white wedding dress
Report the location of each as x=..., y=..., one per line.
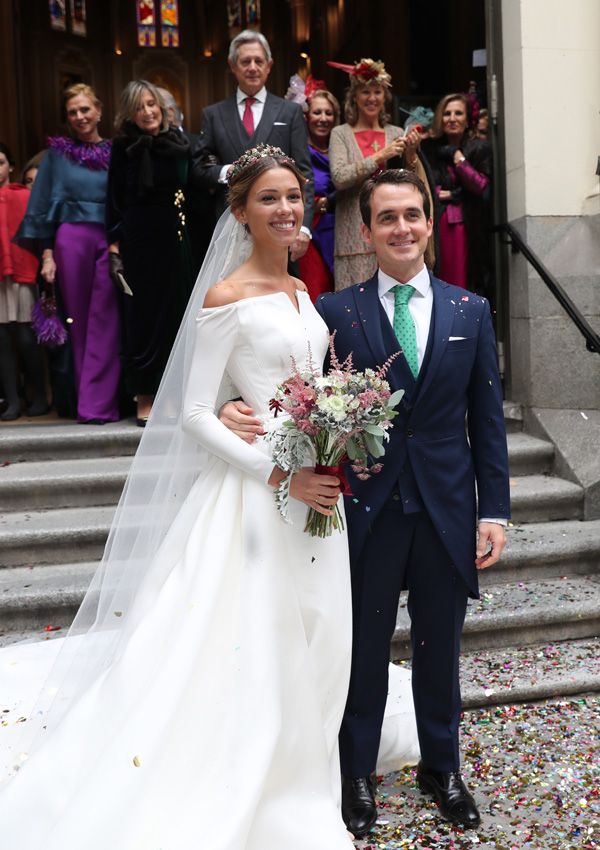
x=216, y=724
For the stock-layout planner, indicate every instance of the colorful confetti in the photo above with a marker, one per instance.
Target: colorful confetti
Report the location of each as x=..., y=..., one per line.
x=534, y=771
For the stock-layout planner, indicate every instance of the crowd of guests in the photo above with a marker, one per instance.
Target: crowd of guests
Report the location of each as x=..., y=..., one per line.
x=113, y=232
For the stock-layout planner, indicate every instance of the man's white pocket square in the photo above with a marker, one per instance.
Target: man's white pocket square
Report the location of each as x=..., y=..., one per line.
x=455, y=338
x=280, y=123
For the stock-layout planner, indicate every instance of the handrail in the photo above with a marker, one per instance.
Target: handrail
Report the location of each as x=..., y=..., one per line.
x=592, y=339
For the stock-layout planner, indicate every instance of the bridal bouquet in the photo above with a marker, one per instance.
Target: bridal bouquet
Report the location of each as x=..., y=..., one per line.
x=334, y=418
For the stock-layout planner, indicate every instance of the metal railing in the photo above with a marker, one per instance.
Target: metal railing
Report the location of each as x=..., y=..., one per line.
x=592, y=339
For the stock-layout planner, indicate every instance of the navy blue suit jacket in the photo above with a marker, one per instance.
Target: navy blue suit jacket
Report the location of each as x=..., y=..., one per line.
x=458, y=380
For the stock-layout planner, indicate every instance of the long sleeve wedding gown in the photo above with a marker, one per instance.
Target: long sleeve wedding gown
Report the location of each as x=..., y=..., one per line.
x=216, y=725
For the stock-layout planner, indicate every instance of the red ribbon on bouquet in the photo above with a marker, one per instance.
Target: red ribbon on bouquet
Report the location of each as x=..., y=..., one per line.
x=339, y=472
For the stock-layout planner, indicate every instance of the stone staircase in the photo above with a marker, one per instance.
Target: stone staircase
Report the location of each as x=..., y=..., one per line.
x=535, y=631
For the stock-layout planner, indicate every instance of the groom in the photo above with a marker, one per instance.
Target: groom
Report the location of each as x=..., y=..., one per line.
x=414, y=525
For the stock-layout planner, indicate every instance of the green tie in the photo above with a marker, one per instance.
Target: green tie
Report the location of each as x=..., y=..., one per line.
x=404, y=326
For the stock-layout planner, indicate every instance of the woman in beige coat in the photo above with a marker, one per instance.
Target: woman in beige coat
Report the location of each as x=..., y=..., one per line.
x=366, y=144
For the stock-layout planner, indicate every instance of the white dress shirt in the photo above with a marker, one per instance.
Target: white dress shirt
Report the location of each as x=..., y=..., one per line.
x=420, y=305
x=257, y=111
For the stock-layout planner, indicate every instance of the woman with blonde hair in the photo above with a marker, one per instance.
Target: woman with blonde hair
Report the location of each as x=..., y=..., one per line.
x=149, y=250
x=65, y=216
x=322, y=113
x=366, y=144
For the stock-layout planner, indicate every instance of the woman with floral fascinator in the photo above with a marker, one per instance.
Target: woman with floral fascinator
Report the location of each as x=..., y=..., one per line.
x=65, y=216
x=197, y=700
x=365, y=144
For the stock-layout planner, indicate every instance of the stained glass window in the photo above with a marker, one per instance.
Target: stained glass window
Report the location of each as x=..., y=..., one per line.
x=252, y=13
x=78, y=24
x=169, y=23
x=146, y=23
x=234, y=14
x=58, y=15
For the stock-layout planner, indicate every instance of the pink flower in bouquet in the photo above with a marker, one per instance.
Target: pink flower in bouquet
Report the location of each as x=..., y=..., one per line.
x=344, y=415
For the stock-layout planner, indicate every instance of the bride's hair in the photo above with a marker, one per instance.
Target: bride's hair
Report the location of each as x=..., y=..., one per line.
x=244, y=177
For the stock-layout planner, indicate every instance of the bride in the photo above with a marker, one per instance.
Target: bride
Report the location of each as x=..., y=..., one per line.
x=198, y=696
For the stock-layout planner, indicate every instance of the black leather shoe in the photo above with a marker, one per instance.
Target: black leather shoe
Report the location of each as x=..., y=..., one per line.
x=450, y=793
x=358, y=804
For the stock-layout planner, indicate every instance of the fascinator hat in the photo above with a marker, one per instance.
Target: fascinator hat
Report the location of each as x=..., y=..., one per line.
x=364, y=72
x=300, y=91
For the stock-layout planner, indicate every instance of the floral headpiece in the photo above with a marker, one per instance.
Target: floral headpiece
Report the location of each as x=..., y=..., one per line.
x=254, y=155
x=364, y=72
x=300, y=91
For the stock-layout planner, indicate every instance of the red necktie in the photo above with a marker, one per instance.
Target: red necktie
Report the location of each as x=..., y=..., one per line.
x=248, y=119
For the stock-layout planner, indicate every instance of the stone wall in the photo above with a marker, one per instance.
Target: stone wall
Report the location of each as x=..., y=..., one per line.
x=550, y=366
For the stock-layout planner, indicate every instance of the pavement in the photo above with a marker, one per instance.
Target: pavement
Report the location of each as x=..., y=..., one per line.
x=534, y=769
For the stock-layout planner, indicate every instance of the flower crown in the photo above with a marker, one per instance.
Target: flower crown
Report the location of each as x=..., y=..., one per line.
x=365, y=71
x=254, y=155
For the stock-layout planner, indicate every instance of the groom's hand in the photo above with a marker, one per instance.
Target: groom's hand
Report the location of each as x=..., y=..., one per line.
x=491, y=540
x=237, y=416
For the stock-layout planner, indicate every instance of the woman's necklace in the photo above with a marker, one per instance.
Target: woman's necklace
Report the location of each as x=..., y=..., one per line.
x=321, y=150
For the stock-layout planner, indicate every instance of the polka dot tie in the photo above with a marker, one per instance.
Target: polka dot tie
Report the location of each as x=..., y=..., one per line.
x=404, y=326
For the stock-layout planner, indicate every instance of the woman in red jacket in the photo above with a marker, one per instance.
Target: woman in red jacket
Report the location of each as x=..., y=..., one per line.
x=18, y=271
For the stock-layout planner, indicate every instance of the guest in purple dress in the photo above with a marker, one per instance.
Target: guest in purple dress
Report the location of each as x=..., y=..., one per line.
x=462, y=168
x=316, y=266
x=66, y=214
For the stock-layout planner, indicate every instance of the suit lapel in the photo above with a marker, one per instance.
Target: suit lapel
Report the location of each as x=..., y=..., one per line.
x=379, y=334
x=366, y=298
x=231, y=120
x=265, y=125
x=443, y=316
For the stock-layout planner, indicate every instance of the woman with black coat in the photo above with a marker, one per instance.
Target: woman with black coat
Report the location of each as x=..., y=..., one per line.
x=461, y=168
x=149, y=250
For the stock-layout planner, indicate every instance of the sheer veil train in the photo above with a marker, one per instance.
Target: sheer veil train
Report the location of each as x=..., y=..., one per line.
x=165, y=467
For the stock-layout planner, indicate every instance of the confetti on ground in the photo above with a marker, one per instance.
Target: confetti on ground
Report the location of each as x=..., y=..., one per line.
x=535, y=773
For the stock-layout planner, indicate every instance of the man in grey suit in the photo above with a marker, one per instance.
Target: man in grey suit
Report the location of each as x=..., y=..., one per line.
x=251, y=116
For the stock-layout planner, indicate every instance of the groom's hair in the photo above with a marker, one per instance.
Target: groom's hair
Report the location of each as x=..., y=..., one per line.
x=393, y=177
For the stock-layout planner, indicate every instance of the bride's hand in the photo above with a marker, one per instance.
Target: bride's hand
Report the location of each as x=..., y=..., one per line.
x=319, y=492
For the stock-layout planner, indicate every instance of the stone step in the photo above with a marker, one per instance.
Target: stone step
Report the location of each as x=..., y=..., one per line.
x=526, y=673
x=34, y=597
x=63, y=535
x=513, y=417
x=63, y=483
x=521, y=614
x=39, y=604
x=529, y=455
x=541, y=498
x=547, y=550
x=51, y=442
x=86, y=481
x=522, y=674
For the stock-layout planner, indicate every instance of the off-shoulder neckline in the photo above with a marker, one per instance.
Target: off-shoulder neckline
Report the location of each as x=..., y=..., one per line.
x=255, y=298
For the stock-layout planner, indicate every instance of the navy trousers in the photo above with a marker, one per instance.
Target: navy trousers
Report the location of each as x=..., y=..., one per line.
x=404, y=551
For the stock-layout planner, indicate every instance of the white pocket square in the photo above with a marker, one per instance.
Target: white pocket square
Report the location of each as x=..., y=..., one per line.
x=455, y=338
x=280, y=123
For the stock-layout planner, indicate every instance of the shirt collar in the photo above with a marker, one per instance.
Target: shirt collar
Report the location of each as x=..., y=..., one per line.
x=261, y=95
x=420, y=282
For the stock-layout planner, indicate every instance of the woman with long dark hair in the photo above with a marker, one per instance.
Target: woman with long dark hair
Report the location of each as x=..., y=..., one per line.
x=461, y=165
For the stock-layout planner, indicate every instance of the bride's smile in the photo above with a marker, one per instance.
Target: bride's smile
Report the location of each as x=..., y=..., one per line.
x=274, y=208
